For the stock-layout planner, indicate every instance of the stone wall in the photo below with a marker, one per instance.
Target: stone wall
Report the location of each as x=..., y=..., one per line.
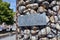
x=52, y=10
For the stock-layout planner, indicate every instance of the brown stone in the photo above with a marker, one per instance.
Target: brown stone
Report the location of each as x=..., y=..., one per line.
x=52, y=18
x=32, y=6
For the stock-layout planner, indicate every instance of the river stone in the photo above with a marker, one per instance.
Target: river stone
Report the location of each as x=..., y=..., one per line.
x=53, y=25
x=50, y=35
x=58, y=2
x=26, y=33
x=27, y=2
x=26, y=36
x=56, y=18
x=21, y=2
x=55, y=13
x=46, y=3
x=50, y=12
x=34, y=37
x=30, y=1
x=47, y=19
x=29, y=11
x=52, y=19
x=44, y=31
x=58, y=35
x=34, y=32
x=53, y=3
x=59, y=22
x=32, y=6
x=57, y=26
x=21, y=8
x=25, y=11
x=45, y=38
x=54, y=38
x=59, y=12
x=41, y=9
x=21, y=39
x=38, y=1
x=32, y=11
x=48, y=29
x=56, y=8
x=54, y=31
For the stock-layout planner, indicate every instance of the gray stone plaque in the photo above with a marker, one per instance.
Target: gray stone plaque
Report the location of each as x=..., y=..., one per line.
x=32, y=19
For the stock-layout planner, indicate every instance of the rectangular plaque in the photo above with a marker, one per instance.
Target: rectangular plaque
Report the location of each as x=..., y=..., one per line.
x=32, y=19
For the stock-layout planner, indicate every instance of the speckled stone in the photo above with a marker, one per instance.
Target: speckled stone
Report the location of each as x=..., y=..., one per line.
x=32, y=6
x=44, y=31
x=45, y=38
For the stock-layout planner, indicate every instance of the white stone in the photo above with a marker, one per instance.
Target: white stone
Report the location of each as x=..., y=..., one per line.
x=47, y=19
x=45, y=38
x=44, y=31
x=40, y=1
x=53, y=25
x=54, y=38
x=41, y=9
x=59, y=12
x=52, y=19
x=26, y=36
x=27, y=31
x=21, y=2
x=30, y=1
x=57, y=26
x=49, y=10
x=50, y=35
x=53, y=30
x=48, y=29
x=56, y=8
x=54, y=13
x=58, y=2
x=21, y=8
x=25, y=11
x=34, y=37
x=33, y=32
x=32, y=6
x=32, y=11
x=53, y=2
x=59, y=22
x=45, y=2
x=56, y=18
x=29, y=11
